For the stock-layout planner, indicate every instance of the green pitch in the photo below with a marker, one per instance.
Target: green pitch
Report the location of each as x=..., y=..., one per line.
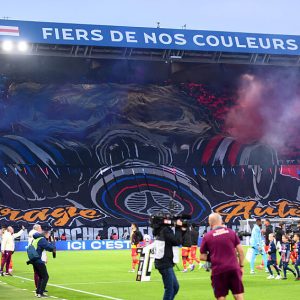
x=104, y=275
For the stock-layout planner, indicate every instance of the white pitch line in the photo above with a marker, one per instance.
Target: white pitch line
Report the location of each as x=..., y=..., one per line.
x=138, y=282
x=74, y=290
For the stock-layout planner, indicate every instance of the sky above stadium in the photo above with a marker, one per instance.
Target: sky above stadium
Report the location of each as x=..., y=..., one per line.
x=255, y=16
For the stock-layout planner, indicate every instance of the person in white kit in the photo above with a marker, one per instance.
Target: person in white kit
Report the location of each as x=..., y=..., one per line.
x=8, y=248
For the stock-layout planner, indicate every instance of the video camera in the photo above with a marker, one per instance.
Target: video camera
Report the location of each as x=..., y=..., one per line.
x=52, y=240
x=242, y=234
x=167, y=219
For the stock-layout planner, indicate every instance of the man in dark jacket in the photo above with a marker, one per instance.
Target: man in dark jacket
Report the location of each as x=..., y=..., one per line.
x=268, y=230
x=166, y=256
x=186, y=249
x=40, y=244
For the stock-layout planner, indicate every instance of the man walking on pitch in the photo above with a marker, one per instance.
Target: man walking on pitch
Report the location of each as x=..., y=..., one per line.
x=222, y=247
x=40, y=244
x=257, y=243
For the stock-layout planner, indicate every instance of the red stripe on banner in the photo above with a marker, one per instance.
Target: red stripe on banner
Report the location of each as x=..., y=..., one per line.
x=210, y=148
x=233, y=154
x=290, y=170
x=10, y=30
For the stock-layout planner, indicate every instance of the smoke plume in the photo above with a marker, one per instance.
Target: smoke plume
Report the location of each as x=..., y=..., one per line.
x=268, y=110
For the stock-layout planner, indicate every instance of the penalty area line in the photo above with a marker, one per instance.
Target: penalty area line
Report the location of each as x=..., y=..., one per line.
x=73, y=290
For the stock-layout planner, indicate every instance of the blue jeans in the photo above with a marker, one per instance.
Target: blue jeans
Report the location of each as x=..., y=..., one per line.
x=170, y=283
x=255, y=252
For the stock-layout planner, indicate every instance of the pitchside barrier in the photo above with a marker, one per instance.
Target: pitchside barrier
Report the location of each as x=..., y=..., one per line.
x=85, y=245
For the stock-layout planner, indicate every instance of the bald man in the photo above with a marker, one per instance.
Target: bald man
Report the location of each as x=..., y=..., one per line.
x=221, y=246
x=8, y=248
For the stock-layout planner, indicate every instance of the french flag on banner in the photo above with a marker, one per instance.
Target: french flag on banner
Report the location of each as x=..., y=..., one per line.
x=9, y=30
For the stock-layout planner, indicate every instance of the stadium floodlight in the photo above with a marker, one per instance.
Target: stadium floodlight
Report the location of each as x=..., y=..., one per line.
x=7, y=46
x=23, y=46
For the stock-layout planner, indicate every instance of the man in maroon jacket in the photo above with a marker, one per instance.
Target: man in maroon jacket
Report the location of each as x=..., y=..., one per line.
x=221, y=246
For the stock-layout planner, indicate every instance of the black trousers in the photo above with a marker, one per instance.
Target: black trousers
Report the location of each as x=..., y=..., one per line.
x=41, y=270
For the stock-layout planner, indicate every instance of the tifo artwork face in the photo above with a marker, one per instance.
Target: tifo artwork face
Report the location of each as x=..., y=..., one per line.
x=84, y=154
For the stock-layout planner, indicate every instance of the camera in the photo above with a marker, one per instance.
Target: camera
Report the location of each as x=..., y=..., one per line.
x=242, y=234
x=52, y=240
x=167, y=219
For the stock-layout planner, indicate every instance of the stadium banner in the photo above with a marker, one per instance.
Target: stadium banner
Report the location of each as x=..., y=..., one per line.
x=152, y=38
x=83, y=245
x=85, y=159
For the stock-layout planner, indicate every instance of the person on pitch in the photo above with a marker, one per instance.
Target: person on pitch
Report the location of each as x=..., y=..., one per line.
x=194, y=247
x=272, y=259
x=222, y=247
x=257, y=244
x=135, y=238
x=297, y=250
x=285, y=256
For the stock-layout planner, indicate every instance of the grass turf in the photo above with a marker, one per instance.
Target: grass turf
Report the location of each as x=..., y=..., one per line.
x=96, y=273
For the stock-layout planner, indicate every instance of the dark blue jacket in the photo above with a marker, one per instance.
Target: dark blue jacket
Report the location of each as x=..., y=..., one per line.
x=285, y=251
x=42, y=245
x=272, y=251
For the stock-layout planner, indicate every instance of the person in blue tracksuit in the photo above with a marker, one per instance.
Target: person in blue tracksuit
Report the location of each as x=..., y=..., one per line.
x=257, y=244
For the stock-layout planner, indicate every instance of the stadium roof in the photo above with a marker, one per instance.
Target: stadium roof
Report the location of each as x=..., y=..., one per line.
x=149, y=44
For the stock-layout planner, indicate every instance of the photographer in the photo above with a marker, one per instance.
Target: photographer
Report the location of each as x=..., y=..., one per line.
x=40, y=243
x=165, y=255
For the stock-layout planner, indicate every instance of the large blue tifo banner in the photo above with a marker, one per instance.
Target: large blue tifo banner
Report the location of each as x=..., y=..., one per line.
x=156, y=38
x=83, y=245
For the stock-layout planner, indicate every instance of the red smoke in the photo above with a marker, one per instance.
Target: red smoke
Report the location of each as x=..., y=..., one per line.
x=267, y=110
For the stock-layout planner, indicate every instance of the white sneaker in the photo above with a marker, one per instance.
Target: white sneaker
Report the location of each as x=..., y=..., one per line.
x=184, y=270
x=252, y=272
x=270, y=277
x=131, y=271
x=278, y=277
x=266, y=271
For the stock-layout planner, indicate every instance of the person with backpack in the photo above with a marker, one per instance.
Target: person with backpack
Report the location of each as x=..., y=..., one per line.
x=34, y=251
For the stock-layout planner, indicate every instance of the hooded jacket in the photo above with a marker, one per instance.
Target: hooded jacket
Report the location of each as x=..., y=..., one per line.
x=41, y=245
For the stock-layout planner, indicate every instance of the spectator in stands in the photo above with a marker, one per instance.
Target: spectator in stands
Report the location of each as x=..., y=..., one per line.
x=8, y=248
x=63, y=237
x=98, y=236
x=222, y=247
x=125, y=235
x=114, y=236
